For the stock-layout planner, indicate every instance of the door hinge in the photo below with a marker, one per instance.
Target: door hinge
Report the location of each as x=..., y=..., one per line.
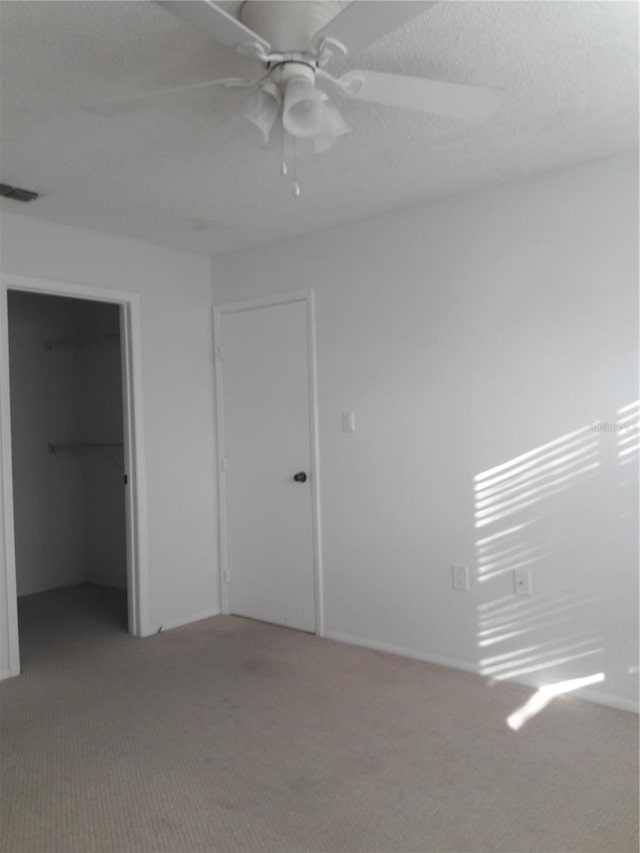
x=226, y=575
x=220, y=350
x=224, y=464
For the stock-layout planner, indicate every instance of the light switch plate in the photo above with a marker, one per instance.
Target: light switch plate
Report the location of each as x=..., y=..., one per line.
x=460, y=578
x=348, y=422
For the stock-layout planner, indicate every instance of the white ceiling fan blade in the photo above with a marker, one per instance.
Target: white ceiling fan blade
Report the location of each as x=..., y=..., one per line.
x=454, y=100
x=211, y=19
x=365, y=21
x=121, y=106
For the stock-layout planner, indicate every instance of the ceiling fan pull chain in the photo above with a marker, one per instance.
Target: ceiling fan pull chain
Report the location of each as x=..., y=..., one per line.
x=296, y=185
x=283, y=164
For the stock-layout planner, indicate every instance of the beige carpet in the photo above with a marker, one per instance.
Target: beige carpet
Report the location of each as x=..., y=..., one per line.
x=235, y=735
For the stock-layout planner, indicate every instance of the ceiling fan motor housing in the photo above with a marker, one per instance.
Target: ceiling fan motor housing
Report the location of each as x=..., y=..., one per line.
x=288, y=25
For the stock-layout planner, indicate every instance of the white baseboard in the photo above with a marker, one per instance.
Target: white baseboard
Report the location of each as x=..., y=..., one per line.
x=179, y=623
x=599, y=697
x=402, y=651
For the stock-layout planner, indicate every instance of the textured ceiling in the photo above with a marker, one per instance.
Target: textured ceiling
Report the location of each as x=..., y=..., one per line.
x=189, y=173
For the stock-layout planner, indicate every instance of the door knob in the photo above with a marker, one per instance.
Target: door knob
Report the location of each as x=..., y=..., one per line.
x=300, y=477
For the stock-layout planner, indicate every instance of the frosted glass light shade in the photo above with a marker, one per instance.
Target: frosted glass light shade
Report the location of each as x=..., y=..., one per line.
x=333, y=127
x=302, y=113
x=262, y=109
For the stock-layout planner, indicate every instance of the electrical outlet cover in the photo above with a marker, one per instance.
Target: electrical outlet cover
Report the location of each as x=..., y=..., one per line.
x=522, y=581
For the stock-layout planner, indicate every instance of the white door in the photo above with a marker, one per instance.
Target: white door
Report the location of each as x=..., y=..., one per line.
x=267, y=445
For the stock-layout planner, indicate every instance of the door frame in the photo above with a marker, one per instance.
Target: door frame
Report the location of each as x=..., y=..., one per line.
x=135, y=492
x=307, y=297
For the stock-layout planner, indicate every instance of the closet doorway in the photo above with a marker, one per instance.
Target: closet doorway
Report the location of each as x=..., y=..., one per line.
x=72, y=465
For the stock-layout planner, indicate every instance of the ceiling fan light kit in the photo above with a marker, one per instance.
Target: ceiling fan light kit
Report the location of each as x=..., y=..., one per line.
x=262, y=109
x=294, y=41
x=302, y=114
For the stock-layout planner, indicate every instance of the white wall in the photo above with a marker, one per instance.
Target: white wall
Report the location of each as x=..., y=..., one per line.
x=463, y=335
x=45, y=408
x=177, y=368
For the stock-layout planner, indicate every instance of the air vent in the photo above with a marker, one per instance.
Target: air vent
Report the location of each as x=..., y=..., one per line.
x=16, y=193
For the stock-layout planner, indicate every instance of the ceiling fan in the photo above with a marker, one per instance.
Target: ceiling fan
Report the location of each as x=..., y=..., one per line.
x=293, y=42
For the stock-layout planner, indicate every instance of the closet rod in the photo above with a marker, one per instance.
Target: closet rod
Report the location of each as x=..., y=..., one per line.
x=76, y=343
